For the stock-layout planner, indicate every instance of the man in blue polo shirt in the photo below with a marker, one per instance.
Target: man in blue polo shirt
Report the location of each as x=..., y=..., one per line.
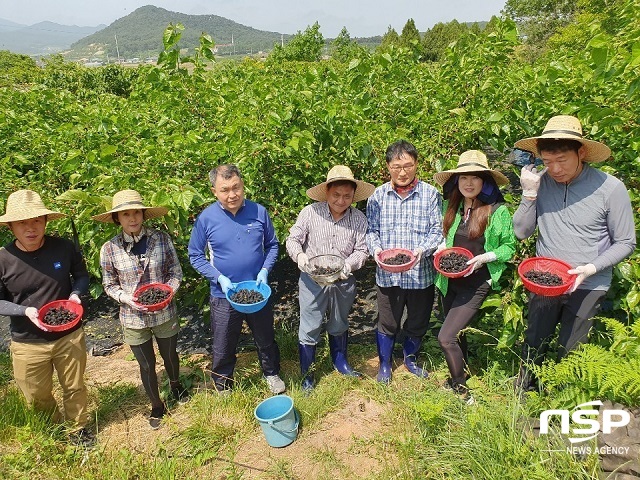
x=239, y=238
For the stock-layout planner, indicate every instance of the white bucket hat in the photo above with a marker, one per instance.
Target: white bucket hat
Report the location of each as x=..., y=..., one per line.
x=129, y=200
x=26, y=204
x=566, y=126
x=341, y=172
x=471, y=161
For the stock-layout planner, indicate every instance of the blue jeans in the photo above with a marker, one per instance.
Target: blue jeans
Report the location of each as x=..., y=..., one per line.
x=226, y=326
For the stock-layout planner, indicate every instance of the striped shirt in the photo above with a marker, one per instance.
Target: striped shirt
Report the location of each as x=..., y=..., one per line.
x=317, y=233
x=124, y=272
x=411, y=222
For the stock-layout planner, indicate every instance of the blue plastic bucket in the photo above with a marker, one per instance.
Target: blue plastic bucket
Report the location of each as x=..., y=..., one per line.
x=279, y=420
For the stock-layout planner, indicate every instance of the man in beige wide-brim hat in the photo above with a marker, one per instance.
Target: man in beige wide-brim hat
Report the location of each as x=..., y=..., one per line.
x=36, y=269
x=331, y=226
x=583, y=217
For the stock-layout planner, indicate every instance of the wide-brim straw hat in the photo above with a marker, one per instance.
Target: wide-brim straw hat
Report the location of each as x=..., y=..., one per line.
x=471, y=161
x=567, y=126
x=26, y=204
x=341, y=172
x=129, y=200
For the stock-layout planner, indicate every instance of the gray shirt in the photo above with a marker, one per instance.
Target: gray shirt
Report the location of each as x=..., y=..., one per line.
x=316, y=232
x=589, y=220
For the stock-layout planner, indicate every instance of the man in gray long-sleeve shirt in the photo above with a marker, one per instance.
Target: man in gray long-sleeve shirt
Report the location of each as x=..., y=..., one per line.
x=584, y=218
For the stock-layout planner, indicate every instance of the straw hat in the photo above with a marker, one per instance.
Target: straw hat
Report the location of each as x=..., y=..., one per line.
x=566, y=126
x=341, y=172
x=471, y=161
x=26, y=204
x=129, y=200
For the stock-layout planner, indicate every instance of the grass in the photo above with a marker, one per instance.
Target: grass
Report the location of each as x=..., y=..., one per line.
x=423, y=431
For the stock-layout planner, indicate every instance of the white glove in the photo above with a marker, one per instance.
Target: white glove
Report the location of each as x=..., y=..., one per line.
x=346, y=271
x=303, y=260
x=480, y=260
x=441, y=247
x=418, y=254
x=530, y=180
x=376, y=252
x=75, y=298
x=127, y=299
x=32, y=314
x=582, y=272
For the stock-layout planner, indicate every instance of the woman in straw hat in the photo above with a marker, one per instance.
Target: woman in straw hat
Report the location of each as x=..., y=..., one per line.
x=36, y=269
x=475, y=218
x=583, y=217
x=135, y=257
x=331, y=226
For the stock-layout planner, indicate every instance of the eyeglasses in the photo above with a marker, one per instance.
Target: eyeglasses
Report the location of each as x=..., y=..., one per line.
x=406, y=168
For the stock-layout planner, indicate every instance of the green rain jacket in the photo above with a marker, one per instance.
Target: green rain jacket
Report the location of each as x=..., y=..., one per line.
x=499, y=238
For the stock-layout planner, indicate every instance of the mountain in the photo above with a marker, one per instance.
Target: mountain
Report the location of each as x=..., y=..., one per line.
x=139, y=34
x=9, y=26
x=40, y=38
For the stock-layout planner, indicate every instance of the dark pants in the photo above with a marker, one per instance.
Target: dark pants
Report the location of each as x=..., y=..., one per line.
x=460, y=306
x=146, y=358
x=391, y=304
x=226, y=326
x=574, y=312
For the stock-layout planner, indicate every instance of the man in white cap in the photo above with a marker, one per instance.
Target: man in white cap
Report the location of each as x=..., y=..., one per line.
x=584, y=218
x=331, y=226
x=404, y=213
x=36, y=269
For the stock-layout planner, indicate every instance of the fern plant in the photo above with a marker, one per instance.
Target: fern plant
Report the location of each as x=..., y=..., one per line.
x=594, y=372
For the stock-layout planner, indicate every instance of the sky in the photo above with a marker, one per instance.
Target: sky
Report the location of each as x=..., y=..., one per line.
x=361, y=18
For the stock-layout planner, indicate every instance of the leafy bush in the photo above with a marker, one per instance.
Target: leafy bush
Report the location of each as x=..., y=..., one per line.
x=595, y=372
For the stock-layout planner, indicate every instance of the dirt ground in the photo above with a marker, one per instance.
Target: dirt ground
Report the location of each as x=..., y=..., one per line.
x=342, y=434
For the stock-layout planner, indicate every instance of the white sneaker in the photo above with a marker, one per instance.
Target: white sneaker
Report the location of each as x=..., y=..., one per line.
x=276, y=385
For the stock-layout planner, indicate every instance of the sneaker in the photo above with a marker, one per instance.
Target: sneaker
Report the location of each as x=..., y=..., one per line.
x=461, y=390
x=276, y=385
x=82, y=438
x=180, y=394
x=155, y=419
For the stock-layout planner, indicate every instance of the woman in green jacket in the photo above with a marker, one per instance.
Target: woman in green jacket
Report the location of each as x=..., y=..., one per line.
x=475, y=218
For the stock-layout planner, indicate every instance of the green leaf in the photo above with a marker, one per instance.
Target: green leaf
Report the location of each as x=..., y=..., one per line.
x=107, y=150
x=183, y=199
x=74, y=196
x=633, y=299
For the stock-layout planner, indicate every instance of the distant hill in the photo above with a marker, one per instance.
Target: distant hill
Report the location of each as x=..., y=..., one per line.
x=139, y=34
x=41, y=38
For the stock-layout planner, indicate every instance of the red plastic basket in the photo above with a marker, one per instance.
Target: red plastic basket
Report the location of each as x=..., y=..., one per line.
x=461, y=251
x=551, y=265
x=156, y=306
x=69, y=305
x=392, y=252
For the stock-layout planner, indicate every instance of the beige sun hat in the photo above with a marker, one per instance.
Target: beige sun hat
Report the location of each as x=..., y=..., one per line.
x=567, y=126
x=26, y=204
x=471, y=161
x=341, y=172
x=129, y=200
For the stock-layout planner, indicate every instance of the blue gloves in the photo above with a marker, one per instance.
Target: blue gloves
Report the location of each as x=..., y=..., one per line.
x=262, y=276
x=225, y=284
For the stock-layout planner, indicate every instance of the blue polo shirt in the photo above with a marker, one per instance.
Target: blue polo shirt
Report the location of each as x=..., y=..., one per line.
x=237, y=246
